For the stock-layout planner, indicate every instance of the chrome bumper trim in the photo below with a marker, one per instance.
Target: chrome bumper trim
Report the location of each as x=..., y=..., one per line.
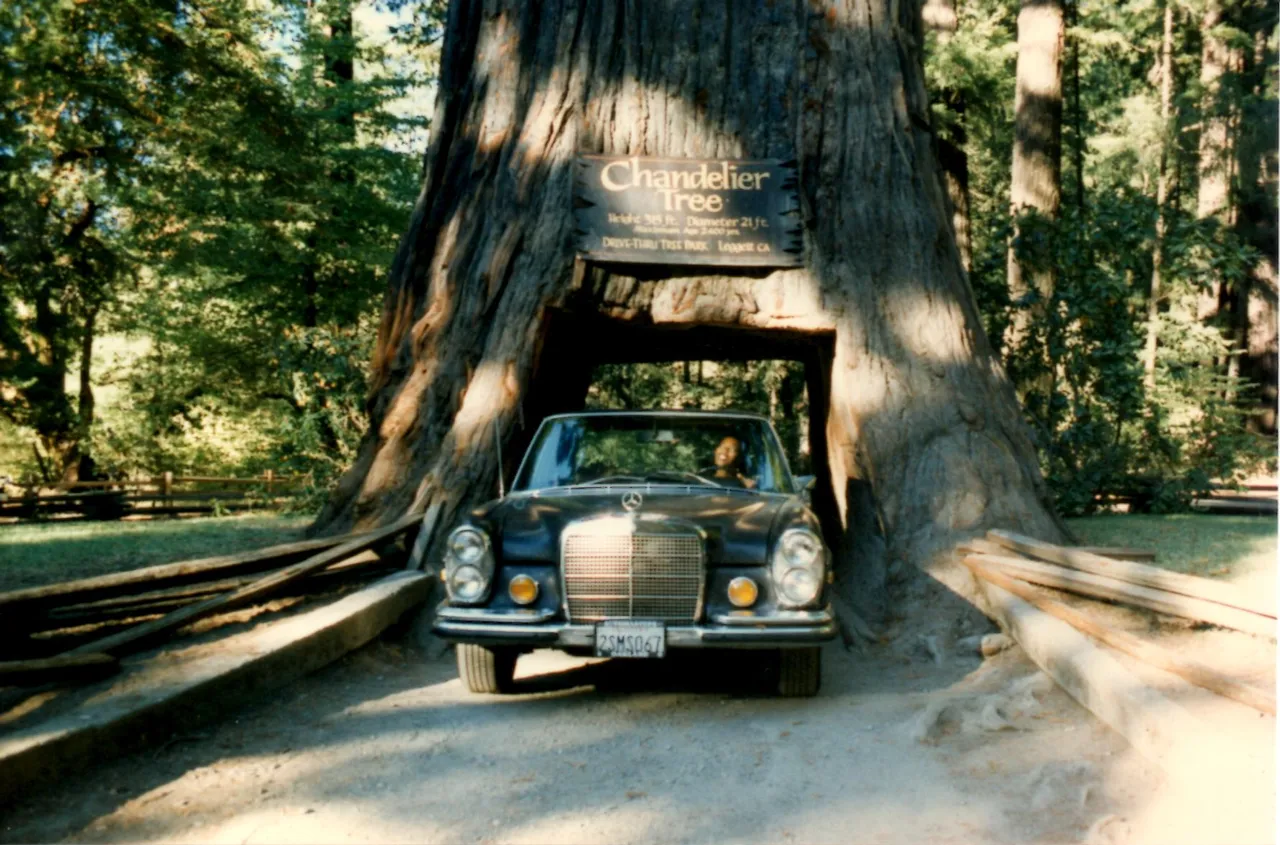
x=781, y=618
x=568, y=635
x=521, y=616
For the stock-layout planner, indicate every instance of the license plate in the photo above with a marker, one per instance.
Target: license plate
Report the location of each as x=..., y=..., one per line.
x=631, y=638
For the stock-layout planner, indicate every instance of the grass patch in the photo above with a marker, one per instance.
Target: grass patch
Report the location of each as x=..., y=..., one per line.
x=32, y=555
x=1196, y=544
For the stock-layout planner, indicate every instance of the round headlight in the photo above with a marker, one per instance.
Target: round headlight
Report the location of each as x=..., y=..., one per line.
x=800, y=585
x=467, y=545
x=523, y=590
x=800, y=547
x=743, y=592
x=467, y=582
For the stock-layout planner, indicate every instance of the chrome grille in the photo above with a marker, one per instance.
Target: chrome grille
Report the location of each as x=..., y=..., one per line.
x=632, y=575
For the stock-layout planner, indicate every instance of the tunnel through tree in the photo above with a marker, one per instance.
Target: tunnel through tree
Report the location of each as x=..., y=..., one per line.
x=493, y=320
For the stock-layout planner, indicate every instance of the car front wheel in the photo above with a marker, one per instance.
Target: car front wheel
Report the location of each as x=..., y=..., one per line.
x=488, y=670
x=800, y=672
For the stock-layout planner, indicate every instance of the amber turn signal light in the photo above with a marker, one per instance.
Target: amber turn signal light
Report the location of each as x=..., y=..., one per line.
x=523, y=590
x=743, y=592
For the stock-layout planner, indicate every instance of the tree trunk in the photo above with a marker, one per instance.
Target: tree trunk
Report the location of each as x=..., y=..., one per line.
x=1035, y=183
x=1216, y=142
x=486, y=318
x=1162, y=199
x=1256, y=221
x=54, y=422
x=1217, y=146
x=86, y=405
x=1080, y=141
x=941, y=19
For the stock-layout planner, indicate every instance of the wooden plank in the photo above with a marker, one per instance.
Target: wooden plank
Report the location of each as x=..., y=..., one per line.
x=80, y=667
x=1137, y=573
x=1207, y=762
x=1119, y=553
x=162, y=694
x=162, y=575
x=209, y=479
x=1236, y=506
x=416, y=557
x=162, y=601
x=140, y=635
x=93, y=499
x=91, y=485
x=180, y=496
x=1100, y=586
x=60, y=498
x=1150, y=653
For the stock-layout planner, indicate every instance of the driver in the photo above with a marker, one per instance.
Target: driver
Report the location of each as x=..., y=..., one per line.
x=728, y=463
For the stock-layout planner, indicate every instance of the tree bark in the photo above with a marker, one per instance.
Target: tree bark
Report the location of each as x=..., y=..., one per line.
x=482, y=324
x=1217, y=158
x=1256, y=219
x=1216, y=152
x=1035, y=184
x=85, y=466
x=1077, y=118
x=54, y=422
x=1162, y=199
x=940, y=17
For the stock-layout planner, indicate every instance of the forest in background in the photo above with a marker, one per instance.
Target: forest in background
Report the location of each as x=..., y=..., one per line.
x=199, y=203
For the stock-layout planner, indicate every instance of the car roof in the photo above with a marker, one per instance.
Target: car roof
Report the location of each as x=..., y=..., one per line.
x=660, y=412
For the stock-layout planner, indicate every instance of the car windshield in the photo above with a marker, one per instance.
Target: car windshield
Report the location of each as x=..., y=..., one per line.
x=734, y=452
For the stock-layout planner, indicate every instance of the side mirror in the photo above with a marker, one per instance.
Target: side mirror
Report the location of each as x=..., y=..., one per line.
x=805, y=485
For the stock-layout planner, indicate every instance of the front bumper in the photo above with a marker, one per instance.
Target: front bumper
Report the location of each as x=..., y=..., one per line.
x=723, y=630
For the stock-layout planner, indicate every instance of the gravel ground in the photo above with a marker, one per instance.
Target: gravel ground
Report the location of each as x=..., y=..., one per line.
x=386, y=746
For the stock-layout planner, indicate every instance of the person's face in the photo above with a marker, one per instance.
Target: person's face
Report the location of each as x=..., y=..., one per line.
x=727, y=453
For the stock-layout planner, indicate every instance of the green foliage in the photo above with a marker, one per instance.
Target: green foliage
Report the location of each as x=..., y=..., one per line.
x=36, y=554
x=774, y=389
x=1080, y=374
x=1198, y=544
x=224, y=182
x=324, y=380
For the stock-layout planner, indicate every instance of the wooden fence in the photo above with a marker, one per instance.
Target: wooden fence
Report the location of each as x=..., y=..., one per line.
x=166, y=494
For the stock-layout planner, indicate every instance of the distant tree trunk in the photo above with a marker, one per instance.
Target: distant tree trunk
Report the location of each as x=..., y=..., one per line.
x=1217, y=144
x=54, y=419
x=940, y=18
x=1162, y=199
x=1256, y=218
x=1217, y=156
x=1035, y=183
x=1077, y=118
x=87, y=403
x=335, y=19
x=919, y=408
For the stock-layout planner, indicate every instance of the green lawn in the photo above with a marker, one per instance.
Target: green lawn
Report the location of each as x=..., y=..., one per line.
x=1240, y=548
x=36, y=554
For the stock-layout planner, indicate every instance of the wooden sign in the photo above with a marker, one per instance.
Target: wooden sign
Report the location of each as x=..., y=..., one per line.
x=688, y=211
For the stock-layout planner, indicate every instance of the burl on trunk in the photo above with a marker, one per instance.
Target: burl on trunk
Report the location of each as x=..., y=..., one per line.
x=486, y=279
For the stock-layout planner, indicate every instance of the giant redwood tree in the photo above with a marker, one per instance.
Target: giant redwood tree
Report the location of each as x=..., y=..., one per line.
x=491, y=320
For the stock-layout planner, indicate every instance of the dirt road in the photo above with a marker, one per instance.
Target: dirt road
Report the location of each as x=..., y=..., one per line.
x=387, y=746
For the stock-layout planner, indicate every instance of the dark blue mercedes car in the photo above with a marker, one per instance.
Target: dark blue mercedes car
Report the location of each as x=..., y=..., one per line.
x=627, y=534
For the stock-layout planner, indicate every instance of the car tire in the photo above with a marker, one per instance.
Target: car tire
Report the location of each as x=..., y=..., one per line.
x=488, y=670
x=800, y=672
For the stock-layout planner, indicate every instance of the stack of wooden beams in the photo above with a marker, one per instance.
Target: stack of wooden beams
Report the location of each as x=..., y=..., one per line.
x=60, y=629
x=1022, y=566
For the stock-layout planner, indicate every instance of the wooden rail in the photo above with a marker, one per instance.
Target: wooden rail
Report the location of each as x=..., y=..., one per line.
x=165, y=494
x=158, y=601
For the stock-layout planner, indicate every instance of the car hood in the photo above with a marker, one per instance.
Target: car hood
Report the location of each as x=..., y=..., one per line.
x=740, y=526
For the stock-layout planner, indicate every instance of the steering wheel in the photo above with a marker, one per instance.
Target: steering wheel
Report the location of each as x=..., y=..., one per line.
x=740, y=478
x=670, y=472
